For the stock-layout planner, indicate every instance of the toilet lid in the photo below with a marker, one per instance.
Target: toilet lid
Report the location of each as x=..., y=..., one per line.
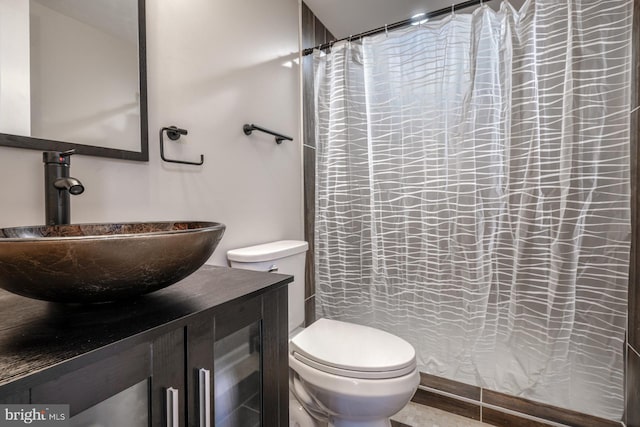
x=351, y=350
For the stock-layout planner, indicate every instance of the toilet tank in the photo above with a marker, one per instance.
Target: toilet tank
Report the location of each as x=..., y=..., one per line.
x=284, y=256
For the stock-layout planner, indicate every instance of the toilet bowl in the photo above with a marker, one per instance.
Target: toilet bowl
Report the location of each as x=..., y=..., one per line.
x=352, y=375
x=341, y=374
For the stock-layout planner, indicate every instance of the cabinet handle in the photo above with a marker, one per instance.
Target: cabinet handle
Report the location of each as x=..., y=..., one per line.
x=172, y=407
x=204, y=386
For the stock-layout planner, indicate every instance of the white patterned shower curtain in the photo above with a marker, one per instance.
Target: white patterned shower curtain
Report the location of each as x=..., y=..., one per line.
x=473, y=195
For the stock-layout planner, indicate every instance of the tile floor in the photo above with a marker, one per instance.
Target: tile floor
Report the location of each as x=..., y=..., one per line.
x=414, y=415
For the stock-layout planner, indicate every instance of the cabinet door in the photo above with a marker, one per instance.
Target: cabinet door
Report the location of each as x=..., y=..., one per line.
x=200, y=371
x=139, y=387
x=238, y=365
x=223, y=366
x=112, y=391
x=238, y=378
x=168, y=382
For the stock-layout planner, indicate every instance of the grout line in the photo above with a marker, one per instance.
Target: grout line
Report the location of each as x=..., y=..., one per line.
x=635, y=109
x=495, y=407
x=524, y=416
x=447, y=394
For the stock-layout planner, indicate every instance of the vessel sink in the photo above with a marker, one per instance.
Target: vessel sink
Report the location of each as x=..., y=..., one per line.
x=85, y=263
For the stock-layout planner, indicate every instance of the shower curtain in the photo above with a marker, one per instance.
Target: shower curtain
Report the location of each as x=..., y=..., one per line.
x=473, y=196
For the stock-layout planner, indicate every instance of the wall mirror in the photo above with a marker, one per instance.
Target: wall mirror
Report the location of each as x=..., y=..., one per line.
x=73, y=76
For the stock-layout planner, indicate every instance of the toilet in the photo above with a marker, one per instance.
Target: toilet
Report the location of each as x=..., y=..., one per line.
x=341, y=374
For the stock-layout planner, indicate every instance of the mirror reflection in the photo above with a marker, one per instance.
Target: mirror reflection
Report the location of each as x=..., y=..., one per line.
x=69, y=71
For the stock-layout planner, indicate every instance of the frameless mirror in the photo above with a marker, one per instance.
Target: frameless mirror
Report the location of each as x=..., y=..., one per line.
x=73, y=75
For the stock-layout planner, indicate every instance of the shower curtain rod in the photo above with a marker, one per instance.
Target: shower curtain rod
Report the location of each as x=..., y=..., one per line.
x=400, y=24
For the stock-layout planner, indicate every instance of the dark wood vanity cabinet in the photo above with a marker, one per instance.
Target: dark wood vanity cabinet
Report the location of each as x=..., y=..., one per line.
x=210, y=350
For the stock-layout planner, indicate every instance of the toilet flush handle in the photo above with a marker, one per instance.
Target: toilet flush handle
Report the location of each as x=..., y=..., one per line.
x=273, y=269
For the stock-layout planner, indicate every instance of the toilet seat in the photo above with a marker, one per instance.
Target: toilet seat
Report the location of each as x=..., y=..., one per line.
x=354, y=351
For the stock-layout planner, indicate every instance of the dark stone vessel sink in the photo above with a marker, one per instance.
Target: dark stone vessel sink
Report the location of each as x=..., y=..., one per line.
x=83, y=263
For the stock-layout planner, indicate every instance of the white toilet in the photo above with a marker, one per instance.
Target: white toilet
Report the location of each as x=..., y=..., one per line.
x=343, y=374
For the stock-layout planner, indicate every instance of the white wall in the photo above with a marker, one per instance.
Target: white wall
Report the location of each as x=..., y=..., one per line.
x=212, y=66
x=14, y=67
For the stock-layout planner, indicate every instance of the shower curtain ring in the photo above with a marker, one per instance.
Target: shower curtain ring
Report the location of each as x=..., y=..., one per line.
x=386, y=31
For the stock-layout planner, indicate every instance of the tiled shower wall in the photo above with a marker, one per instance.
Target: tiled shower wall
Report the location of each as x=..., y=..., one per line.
x=504, y=410
x=314, y=33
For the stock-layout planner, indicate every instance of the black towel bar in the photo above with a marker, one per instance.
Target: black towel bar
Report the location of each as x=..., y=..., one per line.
x=279, y=137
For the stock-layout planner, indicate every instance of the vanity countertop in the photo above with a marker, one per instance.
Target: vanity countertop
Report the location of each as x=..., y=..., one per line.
x=36, y=335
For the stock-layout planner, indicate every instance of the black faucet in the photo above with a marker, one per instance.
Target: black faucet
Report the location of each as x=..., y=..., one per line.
x=58, y=186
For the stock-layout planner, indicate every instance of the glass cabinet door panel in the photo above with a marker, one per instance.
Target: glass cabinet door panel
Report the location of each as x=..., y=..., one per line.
x=128, y=408
x=237, y=378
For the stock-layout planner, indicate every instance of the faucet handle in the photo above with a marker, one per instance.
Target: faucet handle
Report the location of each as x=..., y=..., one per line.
x=57, y=157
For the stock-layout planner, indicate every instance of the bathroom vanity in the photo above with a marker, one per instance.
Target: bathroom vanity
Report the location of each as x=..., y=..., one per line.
x=209, y=350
